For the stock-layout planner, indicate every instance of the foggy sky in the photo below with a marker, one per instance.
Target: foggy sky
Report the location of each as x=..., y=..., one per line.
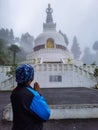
x=73, y=17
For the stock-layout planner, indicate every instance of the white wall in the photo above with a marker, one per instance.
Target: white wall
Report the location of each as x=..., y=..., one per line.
x=72, y=76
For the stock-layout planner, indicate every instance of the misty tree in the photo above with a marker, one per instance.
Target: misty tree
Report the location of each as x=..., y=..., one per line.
x=88, y=58
x=27, y=42
x=65, y=37
x=21, y=55
x=2, y=33
x=15, y=49
x=7, y=39
x=75, y=49
x=4, y=56
x=17, y=39
x=11, y=36
x=96, y=76
x=95, y=48
x=2, y=44
x=7, y=35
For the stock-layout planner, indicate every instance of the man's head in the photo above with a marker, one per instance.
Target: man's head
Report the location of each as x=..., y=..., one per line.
x=24, y=73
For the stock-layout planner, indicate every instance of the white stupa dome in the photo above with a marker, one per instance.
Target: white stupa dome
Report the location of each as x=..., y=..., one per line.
x=49, y=34
x=57, y=37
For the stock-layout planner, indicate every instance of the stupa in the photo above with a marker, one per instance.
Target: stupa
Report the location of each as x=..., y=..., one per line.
x=54, y=65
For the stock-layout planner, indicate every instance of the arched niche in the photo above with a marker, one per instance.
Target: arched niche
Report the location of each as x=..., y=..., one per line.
x=50, y=43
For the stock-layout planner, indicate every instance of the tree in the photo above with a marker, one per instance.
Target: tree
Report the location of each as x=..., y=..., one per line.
x=15, y=49
x=75, y=49
x=2, y=33
x=95, y=48
x=17, y=39
x=88, y=57
x=2, y=44
x=7, y=35
x=3, y=54
x=96, y=75
x=2, y=62
x=65, y=37
x=11, y=36
x=26, y=42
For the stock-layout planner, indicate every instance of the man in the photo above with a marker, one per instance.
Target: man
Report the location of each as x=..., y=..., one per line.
x=29, y=108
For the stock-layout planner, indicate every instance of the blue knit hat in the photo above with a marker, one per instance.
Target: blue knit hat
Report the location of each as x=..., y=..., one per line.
x=24, y=73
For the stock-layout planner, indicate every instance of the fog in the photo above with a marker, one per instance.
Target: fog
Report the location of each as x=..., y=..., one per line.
x=73, y=17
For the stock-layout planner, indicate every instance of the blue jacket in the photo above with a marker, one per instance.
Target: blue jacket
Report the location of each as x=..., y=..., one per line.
x=25, y=115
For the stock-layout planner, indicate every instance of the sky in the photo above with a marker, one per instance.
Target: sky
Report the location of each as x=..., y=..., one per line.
x=73, y=17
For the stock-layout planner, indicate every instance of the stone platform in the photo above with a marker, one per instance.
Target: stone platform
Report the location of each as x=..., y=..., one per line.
x=65, y=102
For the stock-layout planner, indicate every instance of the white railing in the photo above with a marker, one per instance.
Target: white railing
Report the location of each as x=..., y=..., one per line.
x=72, y=75
x=8, y=84
x=84, y=71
